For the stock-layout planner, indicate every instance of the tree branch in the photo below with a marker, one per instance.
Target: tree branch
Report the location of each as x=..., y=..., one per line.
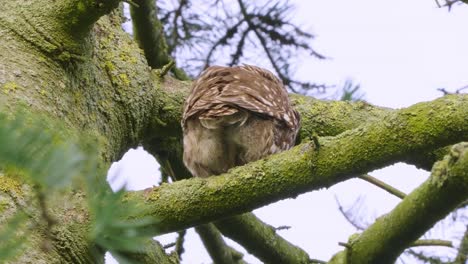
x=219, y=251
x=462, y=254
x=327, y=118
x=390, y=189
x=149, y=34
x=433, y=200
x=431, y=242
x=261, y=240
x=154, y=253
x=426, y=259
x=419, y=128
x=357, y=223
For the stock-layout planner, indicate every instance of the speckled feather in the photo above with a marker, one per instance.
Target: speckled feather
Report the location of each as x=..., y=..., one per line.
x=222, y=90
x=235, y=115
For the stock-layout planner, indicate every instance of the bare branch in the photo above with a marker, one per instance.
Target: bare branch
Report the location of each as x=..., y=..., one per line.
x=450, y=3
x=261, y=240
x=424, y=258
x=219, y=251
x=230, y=32
x=432, y=242
x=383, y=185
x=179, y=244
x=348, y=215
x=458, y=91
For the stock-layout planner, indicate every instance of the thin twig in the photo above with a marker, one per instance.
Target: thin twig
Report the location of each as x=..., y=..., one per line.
x=462, y=254
x=343, y=244
x=169, y=245
x=221, y=41
x=383, y=185
x=424, y=258
x=432, y=242
x=132, y=3
x=356, y=225
x=166, y=68
x=260, y=38
x=179, y=244
x=317, y=261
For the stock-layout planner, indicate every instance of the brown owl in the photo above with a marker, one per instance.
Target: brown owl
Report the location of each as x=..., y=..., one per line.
x=235, y=115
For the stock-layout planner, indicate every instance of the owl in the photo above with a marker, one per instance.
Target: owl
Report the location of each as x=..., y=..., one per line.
x=235, y=115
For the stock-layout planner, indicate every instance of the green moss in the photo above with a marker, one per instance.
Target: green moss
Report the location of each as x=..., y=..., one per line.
x=339, y=258
x=124, y=79
x=4, y=205
x=109, y=66
x=80, y=7
x=10, y=87
x=127, y=57
x=10, y=184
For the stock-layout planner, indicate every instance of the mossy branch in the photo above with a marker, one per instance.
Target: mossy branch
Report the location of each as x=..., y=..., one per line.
x=261, y=240
x=214, y=243
x=323, y=118
x=462, y=255
x=386, y=239
x=149, y=34
x=417, y=129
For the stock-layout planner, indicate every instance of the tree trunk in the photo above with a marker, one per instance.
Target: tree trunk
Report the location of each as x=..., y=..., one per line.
x=58, y=63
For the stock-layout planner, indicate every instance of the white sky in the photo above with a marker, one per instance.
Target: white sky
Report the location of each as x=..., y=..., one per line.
x=400, y=52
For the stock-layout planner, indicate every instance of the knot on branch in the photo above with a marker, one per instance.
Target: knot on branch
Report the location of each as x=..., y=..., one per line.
x=442, y=169
x=457, y=152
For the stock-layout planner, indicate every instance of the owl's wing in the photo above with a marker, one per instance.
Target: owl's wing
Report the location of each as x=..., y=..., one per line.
x=221, y=91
